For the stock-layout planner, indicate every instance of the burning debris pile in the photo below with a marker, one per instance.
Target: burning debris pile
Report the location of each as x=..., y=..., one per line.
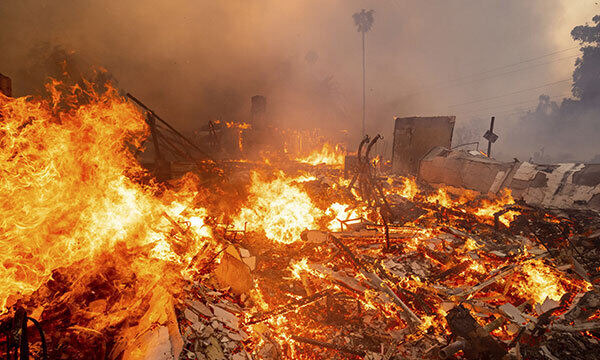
x=277, y=259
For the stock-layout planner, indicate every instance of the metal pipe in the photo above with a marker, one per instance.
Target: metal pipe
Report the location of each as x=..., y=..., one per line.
x=453, y=348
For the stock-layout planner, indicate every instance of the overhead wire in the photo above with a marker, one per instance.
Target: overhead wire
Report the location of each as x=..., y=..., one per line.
x=505, y=106
x=458, y=81
x=510, y=93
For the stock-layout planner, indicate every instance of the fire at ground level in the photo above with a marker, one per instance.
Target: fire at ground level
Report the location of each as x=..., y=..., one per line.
x=288, y=254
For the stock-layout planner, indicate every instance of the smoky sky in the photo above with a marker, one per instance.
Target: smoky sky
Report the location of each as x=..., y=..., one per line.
x=194, y=61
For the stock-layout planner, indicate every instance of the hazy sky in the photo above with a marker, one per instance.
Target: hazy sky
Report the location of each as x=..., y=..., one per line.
x=196, y=60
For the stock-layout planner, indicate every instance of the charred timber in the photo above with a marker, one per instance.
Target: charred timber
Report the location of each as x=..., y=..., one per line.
x=327, y=345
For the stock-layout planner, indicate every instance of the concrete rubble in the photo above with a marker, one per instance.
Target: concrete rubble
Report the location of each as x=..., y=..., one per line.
x=210, y=326
x=562, y=186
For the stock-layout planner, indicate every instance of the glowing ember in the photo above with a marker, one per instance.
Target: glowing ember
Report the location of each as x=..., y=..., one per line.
x=540, y=282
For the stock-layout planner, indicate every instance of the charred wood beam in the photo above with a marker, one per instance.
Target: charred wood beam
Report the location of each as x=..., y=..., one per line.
x=327, y=345
x=478, y=343
x=586, y=326
x=505, y=271
x=292, y=306
x=499, y=274
x=377, y=283
x=454, y=347
x=455, y=270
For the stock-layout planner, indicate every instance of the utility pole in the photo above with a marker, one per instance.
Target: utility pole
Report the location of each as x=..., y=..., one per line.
x=363, y=21
x=364, y=85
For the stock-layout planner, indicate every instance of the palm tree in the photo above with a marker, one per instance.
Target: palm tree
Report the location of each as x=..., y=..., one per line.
x=363, y=21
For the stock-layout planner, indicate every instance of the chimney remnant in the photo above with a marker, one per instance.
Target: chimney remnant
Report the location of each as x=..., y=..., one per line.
x=5, y=85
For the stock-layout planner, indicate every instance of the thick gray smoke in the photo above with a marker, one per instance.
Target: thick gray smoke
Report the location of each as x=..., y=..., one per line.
x=562, y=129
x=197, y=60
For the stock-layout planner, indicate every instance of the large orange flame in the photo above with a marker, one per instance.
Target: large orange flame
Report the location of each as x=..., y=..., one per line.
x=279, y=207
x=67, y=179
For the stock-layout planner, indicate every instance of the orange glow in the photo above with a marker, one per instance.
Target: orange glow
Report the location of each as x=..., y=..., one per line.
x=489, y=208
x=328, y=155
x=341, y=212
x=242, y=126
x=69, y=193
x=540, y=281
x=279, y=207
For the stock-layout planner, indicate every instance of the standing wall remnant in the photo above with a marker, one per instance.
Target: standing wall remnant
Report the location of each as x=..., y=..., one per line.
x=414, y=137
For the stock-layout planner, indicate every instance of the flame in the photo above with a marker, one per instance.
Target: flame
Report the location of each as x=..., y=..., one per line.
x=279, y=207
x=75, y=199
x=483, y=209
x=342, y=212
x=409, y=188
x=242, y=126
x=540, y=282
x=69, y=188
x=489, y=207
x=333, y=155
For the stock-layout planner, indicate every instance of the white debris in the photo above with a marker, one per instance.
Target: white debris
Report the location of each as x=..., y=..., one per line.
x=513, y=314
x=244, y=253
x=226, y=317
x=201, y=308
x=548, y=304
x=157, y=334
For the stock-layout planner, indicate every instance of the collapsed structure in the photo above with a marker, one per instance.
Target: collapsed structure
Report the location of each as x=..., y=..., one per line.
x=422, y=149
x=281, y=257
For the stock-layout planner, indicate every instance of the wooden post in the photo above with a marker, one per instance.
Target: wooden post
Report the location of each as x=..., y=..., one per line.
x=489, y=152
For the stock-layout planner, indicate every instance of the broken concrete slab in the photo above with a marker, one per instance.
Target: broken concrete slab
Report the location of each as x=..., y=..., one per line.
x=461, y=169
x=561, y=186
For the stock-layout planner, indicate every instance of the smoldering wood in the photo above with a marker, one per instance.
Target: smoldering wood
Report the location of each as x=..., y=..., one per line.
x=327, y=345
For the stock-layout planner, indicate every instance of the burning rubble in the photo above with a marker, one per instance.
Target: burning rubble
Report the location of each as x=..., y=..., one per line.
x=279, y=258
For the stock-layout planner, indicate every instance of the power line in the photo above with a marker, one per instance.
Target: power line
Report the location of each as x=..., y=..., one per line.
x=520, y=102
x=519, y=63
x=448, y=83
x=511, y=72
x=510, y=93
x=505, y=106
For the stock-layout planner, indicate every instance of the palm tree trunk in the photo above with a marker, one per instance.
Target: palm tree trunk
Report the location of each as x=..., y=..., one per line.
x=364, y=97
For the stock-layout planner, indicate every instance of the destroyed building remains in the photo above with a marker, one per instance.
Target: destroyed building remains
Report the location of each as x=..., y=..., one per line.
x=282, y=256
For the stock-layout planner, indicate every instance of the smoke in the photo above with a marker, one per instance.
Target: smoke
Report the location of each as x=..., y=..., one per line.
x=194, y=61
x=561, y=129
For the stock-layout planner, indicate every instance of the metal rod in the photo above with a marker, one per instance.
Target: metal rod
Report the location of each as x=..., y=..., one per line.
x=137, y=101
